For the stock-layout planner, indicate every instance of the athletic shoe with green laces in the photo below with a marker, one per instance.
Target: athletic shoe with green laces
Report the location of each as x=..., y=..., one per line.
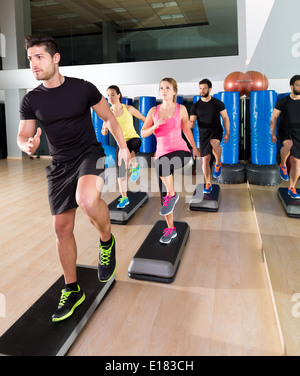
x=123, y=201
x=69, y=300
x=135, y=173
x=107, y=261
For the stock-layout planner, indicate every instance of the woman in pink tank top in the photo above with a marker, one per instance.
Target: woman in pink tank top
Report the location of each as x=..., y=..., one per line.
x=167, y=121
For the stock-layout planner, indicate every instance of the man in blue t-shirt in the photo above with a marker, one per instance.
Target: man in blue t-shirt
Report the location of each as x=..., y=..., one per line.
x=75, y=176
x=288, y=109
x=207, y=111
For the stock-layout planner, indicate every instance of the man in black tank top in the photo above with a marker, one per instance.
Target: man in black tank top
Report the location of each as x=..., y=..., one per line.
x=75, y=176
x=207, y=111
x=288, y=108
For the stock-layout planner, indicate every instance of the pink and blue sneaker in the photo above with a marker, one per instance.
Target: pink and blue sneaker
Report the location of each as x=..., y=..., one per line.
x=168, y=235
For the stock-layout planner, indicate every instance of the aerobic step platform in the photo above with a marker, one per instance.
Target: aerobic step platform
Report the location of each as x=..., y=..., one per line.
x=290, y=205
x=206, y=202
x=159, y=262
x=123, y=216
x=34, y=333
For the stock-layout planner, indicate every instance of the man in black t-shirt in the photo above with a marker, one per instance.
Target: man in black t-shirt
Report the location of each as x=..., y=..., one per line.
x=207, y=111
x=288, y=108
x=75, y=176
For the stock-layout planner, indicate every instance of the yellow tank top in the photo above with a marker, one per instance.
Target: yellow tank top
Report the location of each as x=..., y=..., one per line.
x=126, y=123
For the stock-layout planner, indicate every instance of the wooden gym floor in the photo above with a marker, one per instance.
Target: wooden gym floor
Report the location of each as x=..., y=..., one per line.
x=222, y=301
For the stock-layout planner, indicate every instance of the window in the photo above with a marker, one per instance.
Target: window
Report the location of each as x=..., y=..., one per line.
x=111, y=31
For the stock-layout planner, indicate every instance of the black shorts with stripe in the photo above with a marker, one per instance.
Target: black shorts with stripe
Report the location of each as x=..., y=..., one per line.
x=63, y=177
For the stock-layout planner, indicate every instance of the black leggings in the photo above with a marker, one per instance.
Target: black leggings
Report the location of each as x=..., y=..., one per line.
x=166, y=165
x=133, y=144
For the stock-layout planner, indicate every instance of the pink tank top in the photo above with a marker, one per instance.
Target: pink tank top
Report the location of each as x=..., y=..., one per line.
x=169, y=135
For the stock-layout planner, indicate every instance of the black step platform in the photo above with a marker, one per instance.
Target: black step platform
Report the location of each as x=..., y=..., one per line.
x=291, y=206
x=34, y=334
x=123, y=216
x=205, y=202
x=159, y=262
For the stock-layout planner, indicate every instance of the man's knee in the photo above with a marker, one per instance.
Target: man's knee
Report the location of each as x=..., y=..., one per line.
x=206, y=160
x=295, y=162
x=288, y=144
x=87, y=202
x=215, y=143
x=63, y=228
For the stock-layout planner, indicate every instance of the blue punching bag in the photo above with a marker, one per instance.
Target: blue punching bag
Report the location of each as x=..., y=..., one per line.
x=230, y=150
x=196, y=129
x=233, y=172
x=179, y=99
x=98, y=126
x=110, y=155
x=148, y=143
x=263, y=150
x=127, y=101
x=263, y=169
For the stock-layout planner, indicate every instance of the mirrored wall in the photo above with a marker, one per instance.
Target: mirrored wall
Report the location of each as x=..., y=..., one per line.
x=101, y=31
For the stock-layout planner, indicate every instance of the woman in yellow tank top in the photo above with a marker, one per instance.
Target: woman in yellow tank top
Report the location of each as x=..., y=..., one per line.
x=124, y=115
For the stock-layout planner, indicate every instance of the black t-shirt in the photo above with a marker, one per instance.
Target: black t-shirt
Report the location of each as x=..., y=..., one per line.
x=208, y=113
x=65, y=115
x=290, y=113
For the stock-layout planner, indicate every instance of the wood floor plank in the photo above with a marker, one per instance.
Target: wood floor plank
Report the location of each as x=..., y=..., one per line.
x=218, y=304
x=281, y=245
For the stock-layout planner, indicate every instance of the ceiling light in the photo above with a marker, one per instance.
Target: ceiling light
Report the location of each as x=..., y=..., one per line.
x=170, y=4
x=118, y=10
x=132, y=20
x=157, y=5
x=162, y=5
x=172, y=17
x=177, y=16
x=67, y=15
x=113, y=10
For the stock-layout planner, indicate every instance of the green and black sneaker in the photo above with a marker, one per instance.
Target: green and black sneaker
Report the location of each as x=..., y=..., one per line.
x=107, y=261
x=69, y=300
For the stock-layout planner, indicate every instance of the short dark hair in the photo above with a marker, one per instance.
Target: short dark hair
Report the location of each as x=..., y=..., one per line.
x=117, y=90
x=207, y=82
x=294, y=79
x=42, y=40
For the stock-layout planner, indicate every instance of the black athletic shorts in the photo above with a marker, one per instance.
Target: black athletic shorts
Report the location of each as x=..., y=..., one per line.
x=285, y=134
x=133, y=144
x=207, y=134
x=166, y=164
x=63, y=177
